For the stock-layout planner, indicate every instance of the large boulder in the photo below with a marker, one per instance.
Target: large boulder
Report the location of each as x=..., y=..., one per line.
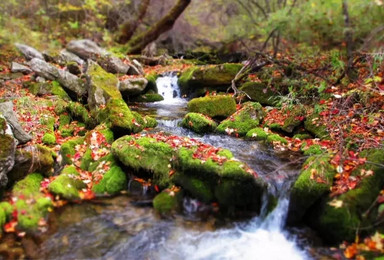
x=213, y=106
x=70, y=82
x=217, y=76
x=260, y=92
x=132, y=86
x=102, y=86
x=85, y=49
x=113, y=64
x=245, y=119
x=67, y=57
x=29, y=52
x=17, y=67
x=7, y=151
x=207, y=173
x=339, y=218
x=6, y=109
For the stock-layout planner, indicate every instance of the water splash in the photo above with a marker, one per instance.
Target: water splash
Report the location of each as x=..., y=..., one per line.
x=167, y=87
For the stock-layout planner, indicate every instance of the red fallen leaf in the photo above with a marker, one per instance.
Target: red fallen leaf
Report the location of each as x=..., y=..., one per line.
x=87, y=195
x=10, y=227
x=157, y=188
x=171, y=172
x=322, y=102
x=14, y=215
x=380, y=199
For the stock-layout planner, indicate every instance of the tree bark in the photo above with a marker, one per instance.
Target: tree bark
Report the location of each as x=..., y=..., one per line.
x=138, y=43
x=348, y=40
x=129, y=27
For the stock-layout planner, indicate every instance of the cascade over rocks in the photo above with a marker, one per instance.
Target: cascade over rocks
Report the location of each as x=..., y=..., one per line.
x=29, y=52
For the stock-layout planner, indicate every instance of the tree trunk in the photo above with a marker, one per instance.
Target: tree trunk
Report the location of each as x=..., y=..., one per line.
x=348, y=41
x=136, y=44
x=129, y=27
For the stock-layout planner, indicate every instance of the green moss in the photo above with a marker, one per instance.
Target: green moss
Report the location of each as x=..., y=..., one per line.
x=6, y=208
x=336, y=224
x=49, y=139
x=275, y=127
x=247, y=118
x=165, y=203
x=148, y=98
x=150, y=122
x=3, y=125
x=213, y=106
x=313, y=126
x=49, y=122
x=86, y=160
x=302, y=136
x=60, y=107
x=312, y=150
x=276, y=138
x=67, y=149
x=3, y=219
x=113, y=181
x=59, y=91
x=195, y=187
x=120, y=118
x=198, y=123
x=64, y=120
x=314, y=181
x=67, y=131
x=7, y=142
x=260, y=92
x=103, y=80
x=67, y=184
x=80, y=113
x=257, y=134
x=30, y=185
x=226, y=153
x=151, y=86
x=290, y=124
x=145, y=154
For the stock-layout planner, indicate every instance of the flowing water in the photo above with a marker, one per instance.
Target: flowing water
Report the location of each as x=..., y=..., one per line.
x=126, y=228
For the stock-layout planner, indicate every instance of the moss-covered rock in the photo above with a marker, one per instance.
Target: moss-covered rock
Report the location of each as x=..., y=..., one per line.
x=338, y=218
x=312, y=150
x=102, y=86
x=247, y=118
x=314, y=126
x=195, y=187
x=67, y=149
x=166, y=203
x=213, y=106
x=113, y=178
x=120, y=119
x=49, y=139
x=314, y=181
x=36, y=158
x=80, y=113
x=7, y=155
x=150, y=122
x=58, y=90
x=210, y=75
x=151, y=86
x=145, y=154
x=302, y=136
x=199, y=123
x=257, y=133
x=273, y=138
x=67, y=184
x=148, y=97
x=260, y=92
x=31, y=205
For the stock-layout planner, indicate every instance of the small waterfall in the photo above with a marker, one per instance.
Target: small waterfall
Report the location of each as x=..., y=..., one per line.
x=167, y=87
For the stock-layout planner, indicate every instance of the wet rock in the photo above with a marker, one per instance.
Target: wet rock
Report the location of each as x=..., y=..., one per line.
x=213, y=106
x=199, y=123
x=17, y=67
x=261, y=93
x=69, y=81
x=134, y=86
x=29, y=52
x=85, y=49
x=102, y=86
x=6, y=109
x=245, y=119
x=218, y=76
